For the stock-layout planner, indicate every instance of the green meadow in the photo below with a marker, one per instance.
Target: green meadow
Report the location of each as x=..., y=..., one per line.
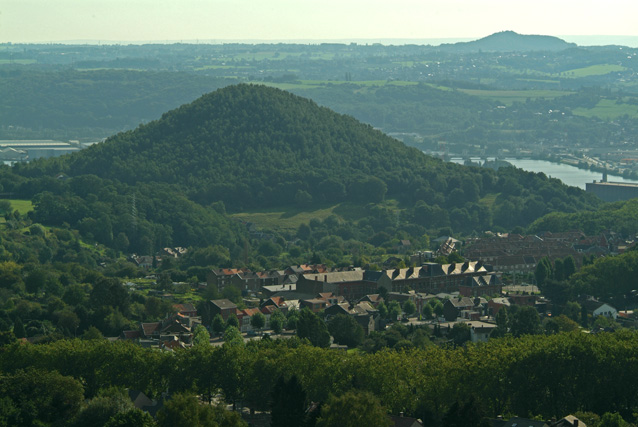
x=608, y=109
x=284, y=219
x=17, y=61
x=288, y=219
x=594, y=70
x=22, y=206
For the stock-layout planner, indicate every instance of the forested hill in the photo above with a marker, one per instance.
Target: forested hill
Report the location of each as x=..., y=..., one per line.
x=509, y=41
x=252, y=145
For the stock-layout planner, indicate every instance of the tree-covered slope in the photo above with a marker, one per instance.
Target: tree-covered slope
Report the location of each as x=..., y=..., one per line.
x=621, y=217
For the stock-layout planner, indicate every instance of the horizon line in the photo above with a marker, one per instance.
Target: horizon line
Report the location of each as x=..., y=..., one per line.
x=341, y=40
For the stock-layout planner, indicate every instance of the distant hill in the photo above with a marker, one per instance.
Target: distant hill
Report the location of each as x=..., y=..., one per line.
x=510, y=41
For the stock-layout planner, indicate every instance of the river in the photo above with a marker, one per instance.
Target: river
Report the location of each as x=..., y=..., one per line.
x=570, y=175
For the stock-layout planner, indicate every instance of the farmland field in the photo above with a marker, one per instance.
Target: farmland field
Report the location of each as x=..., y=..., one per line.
x=508, y=97
x=594, y=70
x=22, y=206
x=608, y=109
x=17, y=61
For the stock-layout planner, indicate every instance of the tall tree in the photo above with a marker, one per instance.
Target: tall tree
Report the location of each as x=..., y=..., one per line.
x=232, y=337
x=258, y=320
x=37, y=397
x=277, y=321
x=543, y=271
x=288, y=404
x=526, y=322
x=184, y=410
x=312, y=327
x=18, y=328
x=218, y=325
x=346, y=330
x=201, y=337
x=353, y=409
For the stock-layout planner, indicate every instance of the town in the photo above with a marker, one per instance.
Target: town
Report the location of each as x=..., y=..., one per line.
x=427, y=294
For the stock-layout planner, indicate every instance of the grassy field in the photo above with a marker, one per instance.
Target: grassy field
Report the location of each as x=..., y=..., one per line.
x=221, y=67
x=594, y=70
x=260, y=56
x=289, y=219
x=17, y=61
x=508, y=97
x=554, y=82
x=287, y=86
x=488, y=200
x=284, y=219
x=608, y=109
x=22, y=206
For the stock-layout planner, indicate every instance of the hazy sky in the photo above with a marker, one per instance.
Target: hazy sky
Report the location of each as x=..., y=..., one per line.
x=163, y=20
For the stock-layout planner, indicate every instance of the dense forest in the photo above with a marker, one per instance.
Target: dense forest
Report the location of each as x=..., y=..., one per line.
x=534, y=376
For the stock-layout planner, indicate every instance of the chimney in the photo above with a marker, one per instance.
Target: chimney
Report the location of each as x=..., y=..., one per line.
x=576, y=422
x=325, y=278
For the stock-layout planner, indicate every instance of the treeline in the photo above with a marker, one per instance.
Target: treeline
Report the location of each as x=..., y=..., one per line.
x=132, y=219
x=621, y=217
x=610, y=278
x=548, y=376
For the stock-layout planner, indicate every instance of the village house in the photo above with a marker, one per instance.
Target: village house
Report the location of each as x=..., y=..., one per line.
x=363, y=312
x=176, y=329
x=223, y=307
x=402, y=421
x=486, y=285
x=351, y=285
x=516, y=254
x=222, y=277
x=314, y=304
x=404, y=247
x=597, y=308
x=464, y=307
x=495, y=304
x=480, y=331
x=419, y=299
x=431, y=278
x=373, y=299
x=421, y=257
x=187, y=309
x=244, y=316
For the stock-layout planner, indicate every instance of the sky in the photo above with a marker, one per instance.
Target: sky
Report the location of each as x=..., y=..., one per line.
x=29, y=21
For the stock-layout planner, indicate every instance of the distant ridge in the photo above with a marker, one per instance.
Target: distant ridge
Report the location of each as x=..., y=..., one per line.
x=510, y=41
